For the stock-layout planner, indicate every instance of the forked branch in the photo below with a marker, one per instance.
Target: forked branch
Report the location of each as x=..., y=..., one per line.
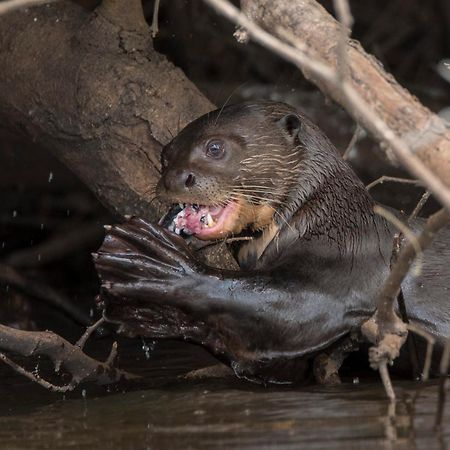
x=63, y=355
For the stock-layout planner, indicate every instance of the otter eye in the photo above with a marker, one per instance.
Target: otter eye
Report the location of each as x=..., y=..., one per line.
x=215, y=149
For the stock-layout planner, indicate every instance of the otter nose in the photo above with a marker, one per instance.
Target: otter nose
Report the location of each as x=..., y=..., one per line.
x=190, y=180
x=179, y=180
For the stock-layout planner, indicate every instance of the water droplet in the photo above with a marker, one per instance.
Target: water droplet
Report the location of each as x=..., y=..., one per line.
x=39, y=257
x=147, y=349
x=83, y=393
x=91, y=312
x=50, y=177
x=42, y=226
x=356, y=380
x=68, y=212
x=7, y=288
x=14, y=214
x=3, y=244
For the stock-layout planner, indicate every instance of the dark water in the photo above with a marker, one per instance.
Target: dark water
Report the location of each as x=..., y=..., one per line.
x=170, y=412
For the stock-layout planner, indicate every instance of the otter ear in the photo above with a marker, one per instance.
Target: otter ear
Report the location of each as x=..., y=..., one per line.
x=291, y=124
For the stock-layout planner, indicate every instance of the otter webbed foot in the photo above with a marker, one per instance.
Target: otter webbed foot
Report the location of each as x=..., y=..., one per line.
x=147, y=273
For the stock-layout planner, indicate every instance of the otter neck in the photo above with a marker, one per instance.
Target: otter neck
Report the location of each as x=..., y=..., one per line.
x=331, y=213
x=338, y=210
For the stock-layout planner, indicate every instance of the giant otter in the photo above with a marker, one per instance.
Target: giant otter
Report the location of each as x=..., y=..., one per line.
x=310, y=275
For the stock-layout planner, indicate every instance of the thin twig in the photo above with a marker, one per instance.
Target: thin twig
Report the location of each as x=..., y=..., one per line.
x=299, y=54
x=406, y=257
x=89, y=330
x=155, y=19
x=384, y=178
x=111, y=359
x=406, y=231
x=352, y=142
x=419, y=206
x=36, y=378
x=390, y=423
x=443, y=374
x=429, y=352
x=386, y=379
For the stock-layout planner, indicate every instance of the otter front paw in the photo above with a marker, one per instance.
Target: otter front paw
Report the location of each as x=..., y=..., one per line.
x=138, y=259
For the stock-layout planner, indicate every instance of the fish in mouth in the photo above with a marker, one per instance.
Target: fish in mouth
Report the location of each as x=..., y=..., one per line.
x=205, y=222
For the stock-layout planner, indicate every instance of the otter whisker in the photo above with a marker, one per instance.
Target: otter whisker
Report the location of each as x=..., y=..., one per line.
x=259, y=198
x=267, y=189
x=266, y=194
x=253, y=188
x=284, y=220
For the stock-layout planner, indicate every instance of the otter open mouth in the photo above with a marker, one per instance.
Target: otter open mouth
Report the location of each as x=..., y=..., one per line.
x=205, y=222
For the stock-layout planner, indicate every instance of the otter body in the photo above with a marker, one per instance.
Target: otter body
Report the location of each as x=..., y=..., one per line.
x=317, y=257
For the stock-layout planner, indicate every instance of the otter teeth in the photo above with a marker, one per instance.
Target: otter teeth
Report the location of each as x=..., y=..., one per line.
x=210, y=222
x=207, y=220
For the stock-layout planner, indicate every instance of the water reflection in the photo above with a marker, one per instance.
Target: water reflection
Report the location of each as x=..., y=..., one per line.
x=174, y=413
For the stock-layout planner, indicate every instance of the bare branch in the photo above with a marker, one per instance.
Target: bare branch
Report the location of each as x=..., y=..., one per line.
x=352, y=142
x=299, y=54
x=36, y=378
x=384, y=178
x=429, y=352
x=443, y=370
x=405, y=231
x=63, y=355
x=155, y=19
x=384, y=328
x=419, y=206
x=89, y=330
x=406, y=257
x=386, y=379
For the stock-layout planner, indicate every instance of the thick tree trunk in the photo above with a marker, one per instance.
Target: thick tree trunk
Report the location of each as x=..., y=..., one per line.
x=91, y=88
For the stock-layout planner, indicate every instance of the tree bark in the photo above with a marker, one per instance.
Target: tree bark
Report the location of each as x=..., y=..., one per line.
x=91, y=88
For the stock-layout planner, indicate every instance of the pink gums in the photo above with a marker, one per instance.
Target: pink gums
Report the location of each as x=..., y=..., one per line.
x=195, y=220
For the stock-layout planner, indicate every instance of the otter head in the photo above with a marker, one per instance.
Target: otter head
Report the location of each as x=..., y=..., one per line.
x=231, y=169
